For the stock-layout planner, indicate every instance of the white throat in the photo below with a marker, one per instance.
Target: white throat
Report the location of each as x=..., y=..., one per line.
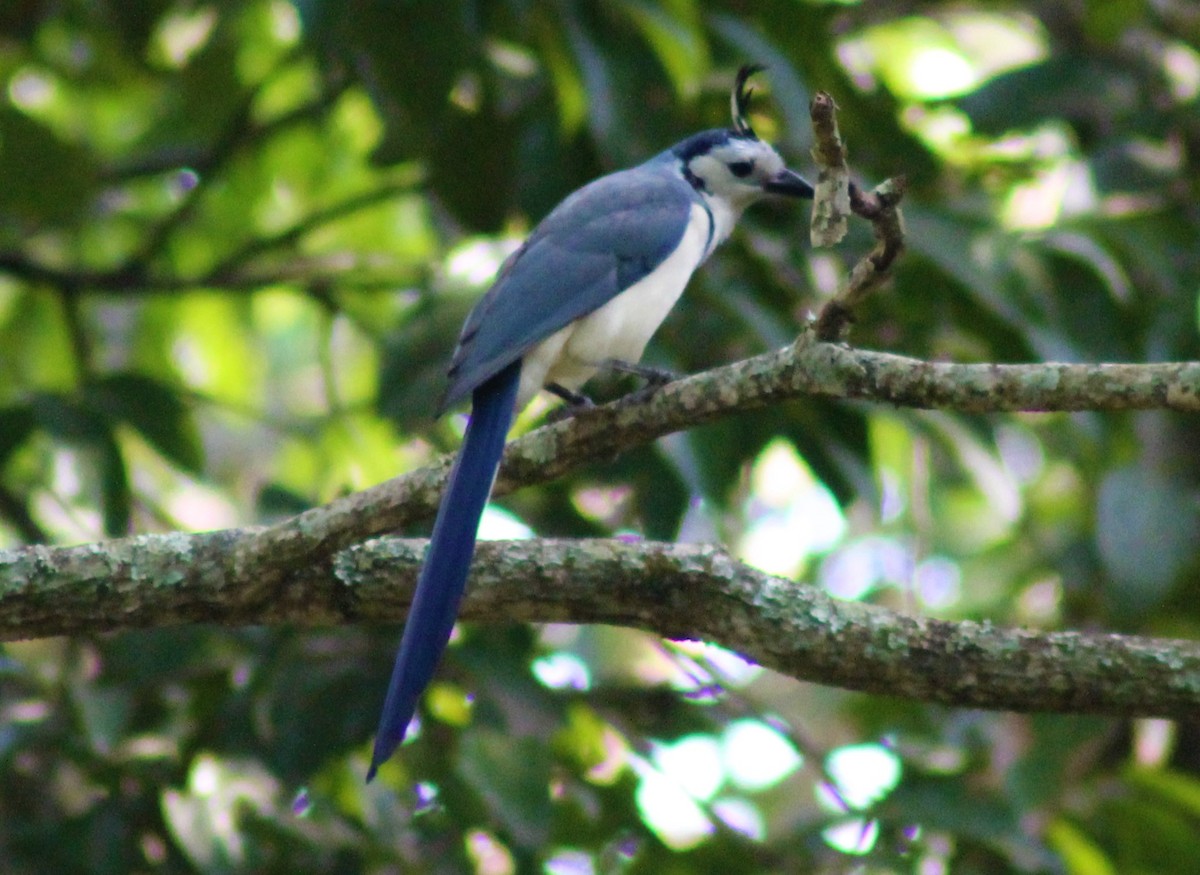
x=725, y=215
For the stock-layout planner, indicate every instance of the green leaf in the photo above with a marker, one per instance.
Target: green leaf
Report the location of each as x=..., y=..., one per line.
x=677, y=40
x=104, y=713
x=69, y=420
x=1143, y=834
x=597, y=79
x=43, y=179
x=1087, y=287
x=16, y=425
x=115, y=496
x=1179, y=788
x=155, y=411
x=277, y=502
x=513, y=775
x=1080, y=88
x=1081, y=855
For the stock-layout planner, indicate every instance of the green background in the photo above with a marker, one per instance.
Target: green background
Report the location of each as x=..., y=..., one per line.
x=237, y=240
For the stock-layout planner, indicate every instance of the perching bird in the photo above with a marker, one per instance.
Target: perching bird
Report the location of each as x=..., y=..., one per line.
x=585, y=292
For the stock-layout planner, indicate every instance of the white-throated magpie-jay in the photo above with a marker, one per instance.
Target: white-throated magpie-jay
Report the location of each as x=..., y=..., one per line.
x=588, y=288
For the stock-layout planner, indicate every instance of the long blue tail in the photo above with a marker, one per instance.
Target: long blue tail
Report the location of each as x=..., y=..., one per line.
x=444, y=574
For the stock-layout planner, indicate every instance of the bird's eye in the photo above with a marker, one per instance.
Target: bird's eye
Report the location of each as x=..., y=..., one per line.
x=741, y=169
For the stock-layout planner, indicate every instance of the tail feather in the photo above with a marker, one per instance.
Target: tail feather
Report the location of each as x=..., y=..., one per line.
x=444, y=575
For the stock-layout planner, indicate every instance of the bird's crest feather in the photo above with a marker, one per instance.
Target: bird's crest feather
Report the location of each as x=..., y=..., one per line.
x=739, y=100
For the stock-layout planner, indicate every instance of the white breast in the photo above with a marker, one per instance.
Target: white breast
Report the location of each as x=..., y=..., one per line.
x=621, y=328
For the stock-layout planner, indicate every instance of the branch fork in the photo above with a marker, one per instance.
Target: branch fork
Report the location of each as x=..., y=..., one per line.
x=834, y=198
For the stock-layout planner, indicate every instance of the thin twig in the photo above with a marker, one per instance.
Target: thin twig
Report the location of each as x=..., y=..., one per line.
x=229, y=266
x=835, y=197
x=881, y=207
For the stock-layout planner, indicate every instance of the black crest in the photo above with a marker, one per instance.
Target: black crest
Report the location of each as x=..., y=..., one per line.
x=739, y=100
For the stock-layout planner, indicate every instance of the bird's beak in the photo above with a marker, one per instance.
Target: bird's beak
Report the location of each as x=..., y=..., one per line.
x=788, y=183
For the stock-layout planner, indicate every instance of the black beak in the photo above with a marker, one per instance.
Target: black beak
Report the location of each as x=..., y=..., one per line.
x=788, y=183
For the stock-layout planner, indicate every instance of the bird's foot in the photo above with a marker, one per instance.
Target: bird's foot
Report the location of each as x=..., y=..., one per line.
x=577, y=403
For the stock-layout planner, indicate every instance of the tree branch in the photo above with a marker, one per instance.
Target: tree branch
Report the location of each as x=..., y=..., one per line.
x=674, y=590
x=806, y=369
x=333, y=269
x=834, y=198
x=229, y=267
x=297, y=572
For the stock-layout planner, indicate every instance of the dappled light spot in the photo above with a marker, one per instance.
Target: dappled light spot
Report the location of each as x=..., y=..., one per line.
x=792, y=515
x=670, y=812
x=852, y=836
x=693, y=763
x=742, y=816
x=489, y=854
x=562, y=671
x=865, y=773
x=939, y=72
x=498, y=524
x=475, y=262
x=757, y=756
x=569, y=862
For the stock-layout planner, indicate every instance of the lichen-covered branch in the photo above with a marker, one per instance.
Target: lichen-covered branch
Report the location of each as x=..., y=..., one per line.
x=675, y=590
x=882, y=207
x=299, y=571
x=834, y=198
x=831, y=198
x=806, y=369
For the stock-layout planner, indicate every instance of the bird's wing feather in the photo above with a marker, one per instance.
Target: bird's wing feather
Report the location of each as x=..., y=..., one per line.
x=594, y=245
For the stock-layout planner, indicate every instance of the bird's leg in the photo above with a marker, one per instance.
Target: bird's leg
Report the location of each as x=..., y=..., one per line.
x=655, y=378
x=574, y=399
x=577, y=403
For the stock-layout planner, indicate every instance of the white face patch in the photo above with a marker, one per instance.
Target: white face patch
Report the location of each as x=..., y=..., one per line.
x=737, y=170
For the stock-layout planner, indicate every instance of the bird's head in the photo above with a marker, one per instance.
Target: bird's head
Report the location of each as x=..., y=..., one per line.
x=733, y=164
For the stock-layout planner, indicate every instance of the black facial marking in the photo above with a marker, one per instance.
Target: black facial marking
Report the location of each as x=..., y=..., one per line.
x=741, y=169
x=702, y=143
x=693, y=180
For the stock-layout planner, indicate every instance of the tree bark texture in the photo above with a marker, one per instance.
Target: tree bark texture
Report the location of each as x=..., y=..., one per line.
x=315, y=569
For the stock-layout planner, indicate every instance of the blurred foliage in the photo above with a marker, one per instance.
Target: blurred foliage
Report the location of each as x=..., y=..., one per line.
x=237, y=240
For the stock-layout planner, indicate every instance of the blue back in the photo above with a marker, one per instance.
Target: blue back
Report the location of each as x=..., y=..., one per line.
x=595, y=244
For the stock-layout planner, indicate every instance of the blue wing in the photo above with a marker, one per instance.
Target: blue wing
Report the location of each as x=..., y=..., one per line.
x=594, y=245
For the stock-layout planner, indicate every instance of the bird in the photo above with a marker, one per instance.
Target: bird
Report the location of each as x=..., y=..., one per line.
x=584, y=293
